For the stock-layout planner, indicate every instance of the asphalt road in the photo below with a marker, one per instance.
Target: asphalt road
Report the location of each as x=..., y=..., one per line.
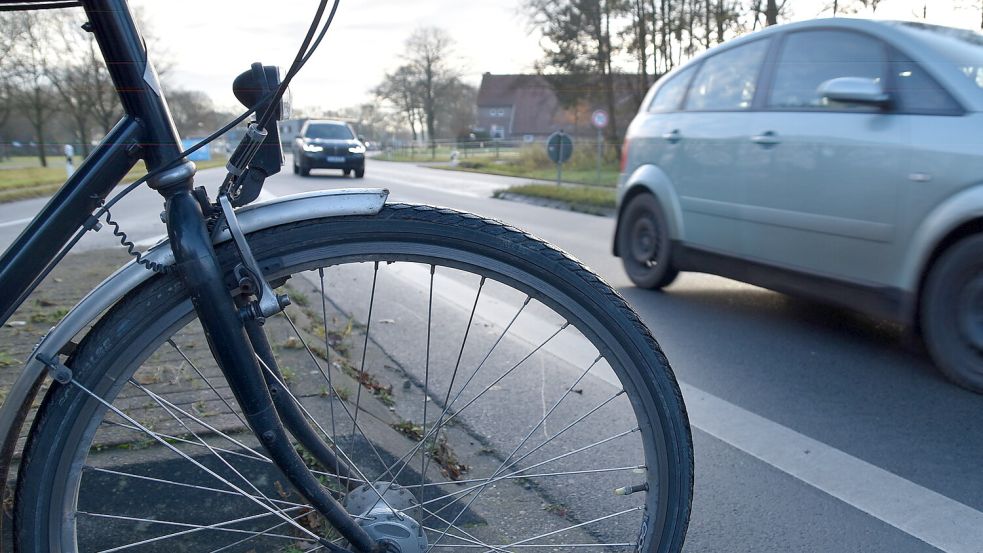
x=816, y=429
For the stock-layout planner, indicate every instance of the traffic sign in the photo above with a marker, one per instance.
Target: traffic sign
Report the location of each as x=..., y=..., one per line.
x=600, y=119
x=559, y=147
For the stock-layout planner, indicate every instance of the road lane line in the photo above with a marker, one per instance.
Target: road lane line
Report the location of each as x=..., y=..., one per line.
x=17, y=222
x=915, y=510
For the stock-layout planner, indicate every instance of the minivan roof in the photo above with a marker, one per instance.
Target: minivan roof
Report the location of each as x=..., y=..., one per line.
x=943, y=50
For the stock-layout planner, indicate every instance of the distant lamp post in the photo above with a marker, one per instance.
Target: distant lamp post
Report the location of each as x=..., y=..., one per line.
x=600, y=121
x=69, y=161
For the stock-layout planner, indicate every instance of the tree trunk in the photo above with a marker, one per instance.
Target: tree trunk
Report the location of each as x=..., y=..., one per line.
x=609, y=82
x=771, y=13
x=706, y=24
x=642, y=37
x=38, y=123
x=836, y=7
x=721, y=20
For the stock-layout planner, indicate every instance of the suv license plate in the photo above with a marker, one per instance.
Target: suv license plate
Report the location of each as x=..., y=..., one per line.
x=336, y=159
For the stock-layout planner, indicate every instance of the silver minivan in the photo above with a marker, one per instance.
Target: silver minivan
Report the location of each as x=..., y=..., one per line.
x=840, y=159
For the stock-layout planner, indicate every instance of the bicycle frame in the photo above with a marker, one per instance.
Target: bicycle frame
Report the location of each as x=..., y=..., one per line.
x=147, y=132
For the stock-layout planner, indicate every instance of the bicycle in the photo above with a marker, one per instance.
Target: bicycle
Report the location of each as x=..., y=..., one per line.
x=117, y=460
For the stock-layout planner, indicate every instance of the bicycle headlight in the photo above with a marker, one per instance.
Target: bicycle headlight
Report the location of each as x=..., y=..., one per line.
x=254, y=88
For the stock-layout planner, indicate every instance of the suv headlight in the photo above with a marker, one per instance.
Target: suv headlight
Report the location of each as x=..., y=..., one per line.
x=357, y=149
x=313, y=148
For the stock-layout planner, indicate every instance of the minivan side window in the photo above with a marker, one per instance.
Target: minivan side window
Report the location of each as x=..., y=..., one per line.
x=810, y=58
x=671, y=93
x=727, y=81
x=914, y=91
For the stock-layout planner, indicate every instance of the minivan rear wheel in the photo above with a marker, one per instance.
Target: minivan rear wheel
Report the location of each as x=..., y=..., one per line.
x=644, y=245
x=952, y=313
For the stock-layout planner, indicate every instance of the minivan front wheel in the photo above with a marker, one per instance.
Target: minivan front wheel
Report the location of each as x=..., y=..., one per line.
x=952, y=313
x=644, y=245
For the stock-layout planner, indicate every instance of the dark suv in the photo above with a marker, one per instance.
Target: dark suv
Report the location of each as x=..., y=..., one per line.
x=328, y=145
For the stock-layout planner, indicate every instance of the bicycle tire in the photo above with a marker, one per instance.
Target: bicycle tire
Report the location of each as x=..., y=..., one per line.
x=46, y=502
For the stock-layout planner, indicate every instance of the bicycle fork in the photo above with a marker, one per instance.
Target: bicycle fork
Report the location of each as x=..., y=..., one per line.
x=231, y=345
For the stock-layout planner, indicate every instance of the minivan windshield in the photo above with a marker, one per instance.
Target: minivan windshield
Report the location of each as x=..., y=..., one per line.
x=329, y=131
x=962, y=46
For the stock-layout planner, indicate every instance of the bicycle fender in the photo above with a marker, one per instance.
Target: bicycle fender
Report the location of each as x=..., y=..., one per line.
x=252, y=218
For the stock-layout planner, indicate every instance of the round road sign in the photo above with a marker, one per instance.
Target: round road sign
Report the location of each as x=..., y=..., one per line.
x=559, y=147
x=599, y=119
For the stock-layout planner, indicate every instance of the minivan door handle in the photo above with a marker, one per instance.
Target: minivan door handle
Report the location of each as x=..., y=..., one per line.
x=767, y=138
x=672, y=136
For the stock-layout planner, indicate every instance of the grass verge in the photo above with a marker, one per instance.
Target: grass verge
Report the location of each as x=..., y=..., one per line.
x=21, y=183
x=589, y=199
x=609, y=175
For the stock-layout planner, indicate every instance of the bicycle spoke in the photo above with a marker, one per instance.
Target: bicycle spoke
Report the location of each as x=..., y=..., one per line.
x=259, y=534
x=426, y=380
x=575, y=526
x=471, y=538
x=365, y=352
x=327, y=359
x=186, y=457
x=457, y=366
x=181, y=484
x=208, y=382
x=537, y=465
x=160, y=401
x=310, y=417
x=505, y=464
x=437, y=426
x=191, y=528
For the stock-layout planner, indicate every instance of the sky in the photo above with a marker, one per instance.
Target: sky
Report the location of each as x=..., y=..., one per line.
x=209, y=42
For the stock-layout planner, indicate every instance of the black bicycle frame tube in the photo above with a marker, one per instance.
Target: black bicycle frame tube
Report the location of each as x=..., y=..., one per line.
x=30, y=256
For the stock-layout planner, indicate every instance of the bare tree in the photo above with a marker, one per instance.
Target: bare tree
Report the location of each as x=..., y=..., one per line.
x=400, y=89
x=428, y=53
x=7, y=40
x=32, y=94
x=771, y=13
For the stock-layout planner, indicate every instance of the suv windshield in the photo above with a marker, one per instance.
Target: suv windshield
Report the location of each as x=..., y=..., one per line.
x=964, y=47
x=330, y=131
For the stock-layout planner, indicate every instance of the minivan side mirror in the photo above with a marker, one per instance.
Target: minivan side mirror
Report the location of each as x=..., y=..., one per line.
x=854, y=90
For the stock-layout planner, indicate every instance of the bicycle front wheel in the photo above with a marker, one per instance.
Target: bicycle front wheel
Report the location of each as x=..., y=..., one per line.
x=512, y=396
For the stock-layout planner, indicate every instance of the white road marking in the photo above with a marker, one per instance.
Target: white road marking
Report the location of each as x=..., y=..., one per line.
x=915, y=510
x=16, y=223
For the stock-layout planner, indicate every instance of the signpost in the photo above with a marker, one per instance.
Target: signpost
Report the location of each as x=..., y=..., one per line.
x=559, y=147
x=600, y=121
